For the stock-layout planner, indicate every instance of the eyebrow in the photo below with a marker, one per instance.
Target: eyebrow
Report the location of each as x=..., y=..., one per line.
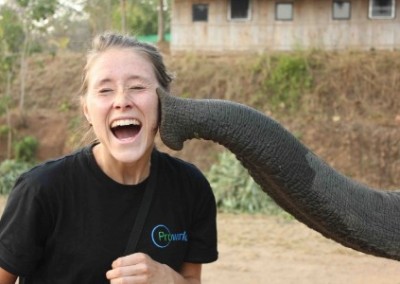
x=132, y=77
x=103, y=81
x=137, y=77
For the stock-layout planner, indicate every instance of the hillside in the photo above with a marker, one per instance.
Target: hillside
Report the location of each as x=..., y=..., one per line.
x=348, y=114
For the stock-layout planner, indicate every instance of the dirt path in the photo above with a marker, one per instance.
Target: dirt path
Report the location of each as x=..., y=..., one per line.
x=260, y=249
x=270, y=250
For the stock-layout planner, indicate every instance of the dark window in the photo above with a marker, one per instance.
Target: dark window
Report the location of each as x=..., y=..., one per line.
x=240, y=9
x=341, y=10
x=200, y=12
x=381, y=9
x=284, y=11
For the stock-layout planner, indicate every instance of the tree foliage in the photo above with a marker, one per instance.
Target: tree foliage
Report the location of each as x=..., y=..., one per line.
x=27, y=25
x=11, y=31
x=11, y=39
x=38, y=9
x=290, y=78
x=140, y=16
x=10, y=170
x=25, y=149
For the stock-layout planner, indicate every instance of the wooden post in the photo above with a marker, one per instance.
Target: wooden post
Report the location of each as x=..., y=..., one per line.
x=161, y=38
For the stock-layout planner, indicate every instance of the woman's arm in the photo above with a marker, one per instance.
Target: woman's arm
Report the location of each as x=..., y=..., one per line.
x=6, y=277
x=141, y=268
x=191, y=272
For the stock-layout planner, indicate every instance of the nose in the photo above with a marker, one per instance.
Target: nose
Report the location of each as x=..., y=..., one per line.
x=122, y=100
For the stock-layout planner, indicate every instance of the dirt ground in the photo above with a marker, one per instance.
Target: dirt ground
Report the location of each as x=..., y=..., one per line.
x=271, y=250
x=262, y=249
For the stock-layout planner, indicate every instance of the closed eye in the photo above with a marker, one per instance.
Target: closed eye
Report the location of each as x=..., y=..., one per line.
x=104, y=91
x=136, y=88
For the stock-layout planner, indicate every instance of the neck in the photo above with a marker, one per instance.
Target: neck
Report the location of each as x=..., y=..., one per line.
x=123, y=173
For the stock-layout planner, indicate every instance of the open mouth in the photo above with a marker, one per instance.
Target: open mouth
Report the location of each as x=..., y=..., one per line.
x=126, y=128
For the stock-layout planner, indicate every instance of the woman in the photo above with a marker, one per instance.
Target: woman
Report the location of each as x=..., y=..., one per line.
x=74, y=219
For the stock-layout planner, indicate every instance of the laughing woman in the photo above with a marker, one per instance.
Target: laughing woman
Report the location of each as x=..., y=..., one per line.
x=118, y=210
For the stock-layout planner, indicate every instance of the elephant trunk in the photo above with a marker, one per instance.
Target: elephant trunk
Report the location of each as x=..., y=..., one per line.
x=344, y=210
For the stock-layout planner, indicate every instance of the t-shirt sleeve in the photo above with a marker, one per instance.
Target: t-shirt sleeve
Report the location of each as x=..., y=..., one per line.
x=23, y=228
x=203, y=232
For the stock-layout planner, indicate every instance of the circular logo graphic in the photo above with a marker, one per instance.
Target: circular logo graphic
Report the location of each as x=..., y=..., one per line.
x=161, y=236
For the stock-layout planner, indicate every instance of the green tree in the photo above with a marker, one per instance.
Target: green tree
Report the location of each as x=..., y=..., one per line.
x=18, y=22
x=69, y=30
x=11, y=39
x=31, y=16
x=139, y=17
x=105, y=8
x=37, y=10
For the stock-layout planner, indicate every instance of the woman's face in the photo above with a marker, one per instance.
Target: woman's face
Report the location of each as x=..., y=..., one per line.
x=121, y=103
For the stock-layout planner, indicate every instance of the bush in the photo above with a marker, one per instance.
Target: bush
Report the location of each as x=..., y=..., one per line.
x=10, y=170
x=4, y=129
x=235, y=190
x=289, y=79
x=25, y=149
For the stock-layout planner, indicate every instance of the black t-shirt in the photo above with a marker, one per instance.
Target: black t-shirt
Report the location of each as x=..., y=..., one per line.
x=66, y=221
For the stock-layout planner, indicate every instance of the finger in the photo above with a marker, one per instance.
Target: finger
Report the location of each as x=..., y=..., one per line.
x=131, y=259
x=132, y=270
x=130, y=280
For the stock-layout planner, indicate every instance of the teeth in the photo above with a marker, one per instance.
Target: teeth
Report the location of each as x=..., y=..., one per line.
x=124, y=122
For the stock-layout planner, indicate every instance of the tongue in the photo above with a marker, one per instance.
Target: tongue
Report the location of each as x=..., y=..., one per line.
x=125, y=132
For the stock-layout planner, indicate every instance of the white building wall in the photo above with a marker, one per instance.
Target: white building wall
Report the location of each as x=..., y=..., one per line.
x=312, y=27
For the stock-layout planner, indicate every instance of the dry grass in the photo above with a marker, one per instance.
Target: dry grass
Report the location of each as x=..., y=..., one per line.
x=348, y=116
x=357, y=86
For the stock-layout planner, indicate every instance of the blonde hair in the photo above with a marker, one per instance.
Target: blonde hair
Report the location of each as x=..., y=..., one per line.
x=107, y=40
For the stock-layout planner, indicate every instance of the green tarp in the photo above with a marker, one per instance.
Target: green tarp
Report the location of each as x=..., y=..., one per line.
x=153, y=38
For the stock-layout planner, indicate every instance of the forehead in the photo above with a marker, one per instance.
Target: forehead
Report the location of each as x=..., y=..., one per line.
x=120, y=63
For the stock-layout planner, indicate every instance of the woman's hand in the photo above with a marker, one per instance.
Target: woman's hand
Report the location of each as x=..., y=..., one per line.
x=139, y=268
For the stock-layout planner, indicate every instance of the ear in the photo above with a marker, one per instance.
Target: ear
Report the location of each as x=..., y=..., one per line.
x=85, y=109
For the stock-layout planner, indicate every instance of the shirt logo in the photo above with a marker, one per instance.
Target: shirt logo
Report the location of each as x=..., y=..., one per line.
x=162, y=236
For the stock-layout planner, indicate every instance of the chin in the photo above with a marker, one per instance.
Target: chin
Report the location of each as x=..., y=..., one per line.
x=126, y=157
x=130, y=154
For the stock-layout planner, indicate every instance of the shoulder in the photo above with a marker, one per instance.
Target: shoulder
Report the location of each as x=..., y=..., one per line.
x=53, y=171
x=185, y=180
x=179, y=166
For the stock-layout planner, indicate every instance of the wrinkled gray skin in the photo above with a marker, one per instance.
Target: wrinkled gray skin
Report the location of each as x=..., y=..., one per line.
x=353, y=214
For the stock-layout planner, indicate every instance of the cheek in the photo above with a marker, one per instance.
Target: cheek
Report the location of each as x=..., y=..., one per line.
x=96, y=109
x=150, y=108
x=155, y=112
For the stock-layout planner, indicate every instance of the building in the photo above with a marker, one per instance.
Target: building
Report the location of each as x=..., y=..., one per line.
x=218, y=26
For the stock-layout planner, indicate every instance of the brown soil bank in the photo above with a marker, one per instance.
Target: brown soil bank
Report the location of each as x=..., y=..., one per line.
x=348, y=112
